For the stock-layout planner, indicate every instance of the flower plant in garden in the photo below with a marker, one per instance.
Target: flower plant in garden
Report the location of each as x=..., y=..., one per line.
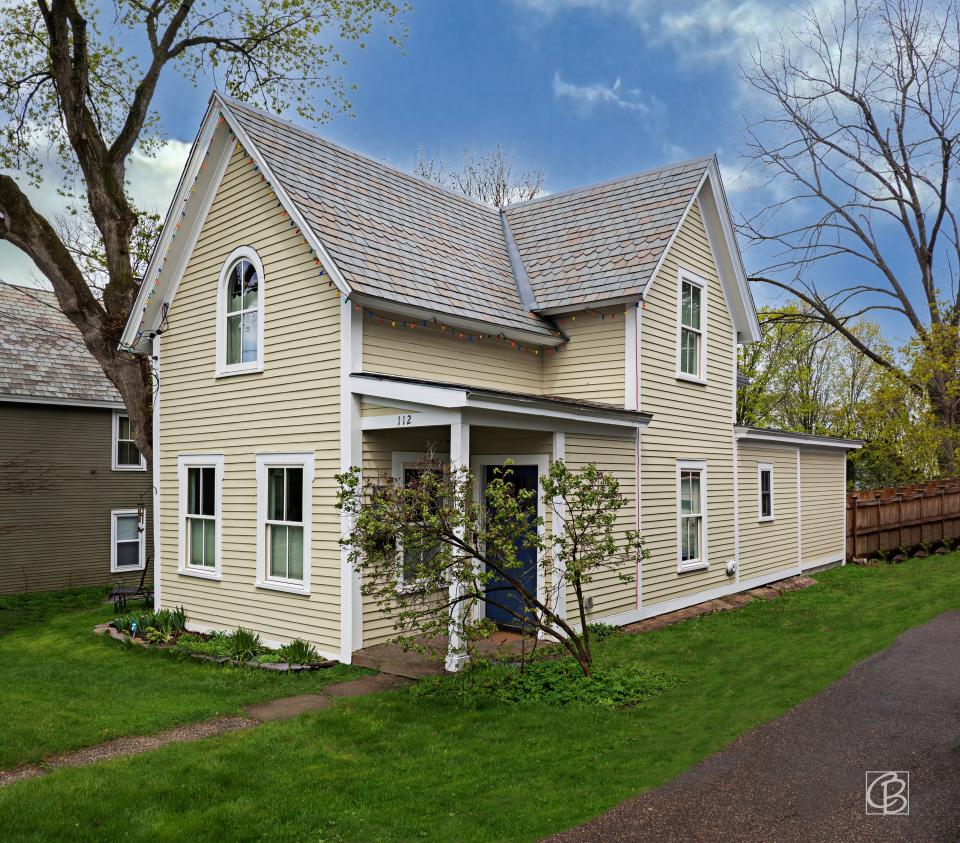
x=431, y=553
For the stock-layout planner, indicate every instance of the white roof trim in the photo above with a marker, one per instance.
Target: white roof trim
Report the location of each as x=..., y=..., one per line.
x=784, y=437
x=62, y=402
x=743, y=311
x=417, y=395
x=166, y=283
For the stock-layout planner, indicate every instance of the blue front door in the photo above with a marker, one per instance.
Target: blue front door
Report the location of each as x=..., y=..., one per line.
x=522, y=477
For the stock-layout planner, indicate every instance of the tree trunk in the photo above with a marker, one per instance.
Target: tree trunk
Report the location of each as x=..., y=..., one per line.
x=945, y=410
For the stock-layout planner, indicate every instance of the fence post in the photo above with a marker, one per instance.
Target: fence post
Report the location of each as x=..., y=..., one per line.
x=853, y=529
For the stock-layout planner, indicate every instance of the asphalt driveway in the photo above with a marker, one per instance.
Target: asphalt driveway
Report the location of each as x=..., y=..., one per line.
x=802, y=777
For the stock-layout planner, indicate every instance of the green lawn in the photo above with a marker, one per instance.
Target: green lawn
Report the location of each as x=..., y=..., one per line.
x=63, y=688
x=399, y=767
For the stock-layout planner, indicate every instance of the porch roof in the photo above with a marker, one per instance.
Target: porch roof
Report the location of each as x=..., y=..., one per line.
x=394, y=390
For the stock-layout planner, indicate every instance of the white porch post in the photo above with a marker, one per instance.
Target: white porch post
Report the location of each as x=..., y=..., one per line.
x=459, y=458
x=559, y=587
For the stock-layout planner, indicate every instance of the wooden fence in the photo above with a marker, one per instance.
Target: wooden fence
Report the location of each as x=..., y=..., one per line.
x=884, y=520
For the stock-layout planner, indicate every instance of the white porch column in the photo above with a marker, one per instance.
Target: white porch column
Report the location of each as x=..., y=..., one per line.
x=459, y=458
x=559, y=589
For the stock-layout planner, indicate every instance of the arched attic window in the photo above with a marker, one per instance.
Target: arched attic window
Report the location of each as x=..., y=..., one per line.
x=240, y=306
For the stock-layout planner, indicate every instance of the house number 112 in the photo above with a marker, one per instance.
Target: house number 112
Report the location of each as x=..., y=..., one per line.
x=404, y=419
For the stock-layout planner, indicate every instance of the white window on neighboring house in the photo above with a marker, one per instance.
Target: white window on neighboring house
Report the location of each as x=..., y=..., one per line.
x=284, y=483
x=765, y=491
x=128, y=546
x=240, y=304
x=201, y=484
x=691, y=327
x=691, y=515
x=126, y=456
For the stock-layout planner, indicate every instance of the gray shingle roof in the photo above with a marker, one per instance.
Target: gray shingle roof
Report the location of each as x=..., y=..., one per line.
x=405, y=240
x=602, y=242
x=390, y=234
x=42, y=355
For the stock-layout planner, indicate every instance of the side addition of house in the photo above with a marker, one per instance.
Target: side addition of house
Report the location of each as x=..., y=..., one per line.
x=312, y=309
x=75, y=493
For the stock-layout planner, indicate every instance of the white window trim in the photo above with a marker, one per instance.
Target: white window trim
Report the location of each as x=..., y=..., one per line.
x=304, y=460
x=704, y=561
x=402, y=460
x=142, y=534
x=115, y=440
x=184, y=462
x=762, y=467
x=685, y=275
x=252, y=366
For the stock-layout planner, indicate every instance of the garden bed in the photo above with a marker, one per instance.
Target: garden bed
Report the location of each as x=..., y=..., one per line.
x=167, y=630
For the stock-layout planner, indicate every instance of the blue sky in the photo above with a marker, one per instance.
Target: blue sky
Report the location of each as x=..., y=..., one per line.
x=584, y=90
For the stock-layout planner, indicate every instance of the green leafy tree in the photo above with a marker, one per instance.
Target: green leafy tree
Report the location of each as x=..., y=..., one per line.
x=458, y=553
x=78, y=80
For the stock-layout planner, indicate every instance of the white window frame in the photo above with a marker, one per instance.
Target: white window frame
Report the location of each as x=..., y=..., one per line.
x=223, y=369
x=401, y=461
x=214, y=461
x=115, y=441
x=704, y=561
x=685, y=276
x=304, y=460
x=762, y=467
x=141, y=536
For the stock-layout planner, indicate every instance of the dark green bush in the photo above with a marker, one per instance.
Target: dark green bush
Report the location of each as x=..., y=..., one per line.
x=557, y=682
x=244, y=645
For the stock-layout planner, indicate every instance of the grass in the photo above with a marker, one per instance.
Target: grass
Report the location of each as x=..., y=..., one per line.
x=64, y=688
x=399, y=766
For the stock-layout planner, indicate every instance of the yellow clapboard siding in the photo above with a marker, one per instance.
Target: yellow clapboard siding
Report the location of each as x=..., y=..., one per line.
x=591, y=365
x=767, y=546
x=823, y=481
x=292, y=406
x=690, y=421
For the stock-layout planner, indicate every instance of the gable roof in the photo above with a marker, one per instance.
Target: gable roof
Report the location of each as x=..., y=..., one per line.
x=42, y=355
x=384, y=236
x=604, y=241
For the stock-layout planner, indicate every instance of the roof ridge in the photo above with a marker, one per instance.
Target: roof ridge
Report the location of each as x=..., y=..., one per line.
x=231, y=102
x=706, y=159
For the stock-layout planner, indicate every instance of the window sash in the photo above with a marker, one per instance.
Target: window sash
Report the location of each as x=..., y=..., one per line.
x=690, y=509
x=242, y=314
x=284, y=524
x=766, y=493
x=409, y=559
x=127, y=454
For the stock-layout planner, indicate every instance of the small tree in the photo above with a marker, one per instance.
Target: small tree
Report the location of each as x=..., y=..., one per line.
x=431, y=555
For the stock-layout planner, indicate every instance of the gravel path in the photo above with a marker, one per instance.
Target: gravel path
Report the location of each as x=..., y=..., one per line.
x=802, y=777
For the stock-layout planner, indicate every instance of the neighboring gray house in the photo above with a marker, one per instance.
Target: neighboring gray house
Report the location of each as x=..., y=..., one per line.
x=75, y=493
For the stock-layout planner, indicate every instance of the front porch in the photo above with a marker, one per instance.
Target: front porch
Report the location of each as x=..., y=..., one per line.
x=401, y=420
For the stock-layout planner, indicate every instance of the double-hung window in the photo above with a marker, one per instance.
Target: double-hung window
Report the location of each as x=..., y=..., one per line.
x=408, y=468
x=691, y=327
x=240, y=314
x=284, y=484
x=691, y=514
x=765, y=491
x=127, y=541
x=126, y=456
x=201, y=482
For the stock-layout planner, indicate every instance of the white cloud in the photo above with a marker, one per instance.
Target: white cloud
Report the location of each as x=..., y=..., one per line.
x=588, y=97
x=152, y=183
x=698, y=29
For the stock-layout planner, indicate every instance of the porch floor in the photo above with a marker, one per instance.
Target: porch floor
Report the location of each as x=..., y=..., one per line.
x=394, y=660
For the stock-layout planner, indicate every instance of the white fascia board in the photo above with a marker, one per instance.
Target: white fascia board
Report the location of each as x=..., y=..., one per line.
x=333, y=273
x=409, y=393
x=720, y=232
x=386, y=308
x=549, y=411
x=62, y=402
x=195, y=159
x=787, y=438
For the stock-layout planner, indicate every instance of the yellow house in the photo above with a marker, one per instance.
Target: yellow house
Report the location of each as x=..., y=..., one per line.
x=309, y=309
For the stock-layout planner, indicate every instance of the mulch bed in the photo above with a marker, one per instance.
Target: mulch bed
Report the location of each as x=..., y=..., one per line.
x=279, y=667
